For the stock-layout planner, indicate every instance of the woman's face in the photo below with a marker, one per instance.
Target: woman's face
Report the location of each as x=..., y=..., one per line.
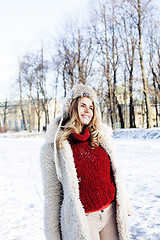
x=85, y=110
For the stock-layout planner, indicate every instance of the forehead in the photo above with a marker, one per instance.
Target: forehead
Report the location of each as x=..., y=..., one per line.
x=86, y=100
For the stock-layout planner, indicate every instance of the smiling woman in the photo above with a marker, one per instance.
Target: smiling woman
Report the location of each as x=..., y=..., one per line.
x=85, y=198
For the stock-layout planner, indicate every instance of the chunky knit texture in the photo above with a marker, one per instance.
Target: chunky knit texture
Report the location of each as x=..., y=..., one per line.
x=96, y=185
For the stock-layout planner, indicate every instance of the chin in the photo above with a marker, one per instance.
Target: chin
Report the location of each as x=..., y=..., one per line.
x=85, y=123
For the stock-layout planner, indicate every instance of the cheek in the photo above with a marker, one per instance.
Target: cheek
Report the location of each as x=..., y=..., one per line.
x=80, y=111
x=92, y=114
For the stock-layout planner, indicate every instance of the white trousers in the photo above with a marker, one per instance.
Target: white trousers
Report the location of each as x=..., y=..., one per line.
x=102, y=225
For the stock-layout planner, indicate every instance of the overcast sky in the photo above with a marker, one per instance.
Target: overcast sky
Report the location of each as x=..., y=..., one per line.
x=23, y=24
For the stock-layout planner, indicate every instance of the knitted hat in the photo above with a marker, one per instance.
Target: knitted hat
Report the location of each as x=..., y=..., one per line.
x=80, y=90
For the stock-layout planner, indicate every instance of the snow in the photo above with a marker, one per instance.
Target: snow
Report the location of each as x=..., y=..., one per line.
x=23, y=134
x=140, y=166
x=153, y=133
x=21, y=194
x=21, y=201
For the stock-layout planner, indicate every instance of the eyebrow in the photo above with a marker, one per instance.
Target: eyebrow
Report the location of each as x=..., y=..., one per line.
x=85, y=104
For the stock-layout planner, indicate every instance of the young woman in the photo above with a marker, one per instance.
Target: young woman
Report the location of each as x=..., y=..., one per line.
x=85, y=198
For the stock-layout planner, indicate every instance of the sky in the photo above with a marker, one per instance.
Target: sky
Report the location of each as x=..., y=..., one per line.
x=24, y=24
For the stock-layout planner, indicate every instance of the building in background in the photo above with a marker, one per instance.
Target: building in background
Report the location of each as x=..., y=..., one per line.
x=11, y=117
x=35, y=117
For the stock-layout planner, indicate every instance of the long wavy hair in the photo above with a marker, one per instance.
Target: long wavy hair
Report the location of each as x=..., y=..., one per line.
x=72, y=124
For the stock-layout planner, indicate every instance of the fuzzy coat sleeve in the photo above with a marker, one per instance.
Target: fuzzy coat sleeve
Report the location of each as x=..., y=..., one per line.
x=52, y=193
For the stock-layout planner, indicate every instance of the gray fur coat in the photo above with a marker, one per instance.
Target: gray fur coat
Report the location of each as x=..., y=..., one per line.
x=64, y=216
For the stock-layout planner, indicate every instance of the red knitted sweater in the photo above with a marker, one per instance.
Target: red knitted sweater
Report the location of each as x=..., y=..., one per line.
x=96, y=185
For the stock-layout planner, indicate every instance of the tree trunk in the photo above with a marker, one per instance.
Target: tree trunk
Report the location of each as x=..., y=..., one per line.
x=145, y=82
x=131, y=104
x=38, y=105
x=21, y=99
x=120, y=113
x=64, y=82
x=38, y=112
x=125, y=100
x=111, y=98
x=5, y=116
x=46, y=117
x=29, y=111
x=114, y=68
x=112, y=114
x=156, y=94
x=55, y=103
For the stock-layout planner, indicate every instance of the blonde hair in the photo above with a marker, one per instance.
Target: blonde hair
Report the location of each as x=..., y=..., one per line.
x=72, y=124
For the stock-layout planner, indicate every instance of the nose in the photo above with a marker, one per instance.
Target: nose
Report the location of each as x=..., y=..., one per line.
x=86, y=109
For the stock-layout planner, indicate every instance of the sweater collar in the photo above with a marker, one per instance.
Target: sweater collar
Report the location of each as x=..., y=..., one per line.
x=81, y=137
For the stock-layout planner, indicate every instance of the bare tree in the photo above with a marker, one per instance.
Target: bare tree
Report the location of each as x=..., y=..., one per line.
x=43, y=68
x=115, y=60
x=154, y=52
x=57, y=72
x=110, y=45
x=101, y=27
x=27, y=72
x=129, y=43
x=85, y=56
x=141, y=12
x=75, y=55
x=37, y=100
x=64, y=60
x=33, y=73
x=21, y=97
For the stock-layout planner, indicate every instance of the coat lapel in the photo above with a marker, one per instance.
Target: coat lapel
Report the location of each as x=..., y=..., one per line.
x=69, y=174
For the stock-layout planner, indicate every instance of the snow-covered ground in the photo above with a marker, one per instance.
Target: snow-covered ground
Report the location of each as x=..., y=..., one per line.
x=21, y=195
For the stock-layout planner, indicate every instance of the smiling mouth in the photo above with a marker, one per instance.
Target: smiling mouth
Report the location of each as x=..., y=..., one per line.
x=85, y=116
